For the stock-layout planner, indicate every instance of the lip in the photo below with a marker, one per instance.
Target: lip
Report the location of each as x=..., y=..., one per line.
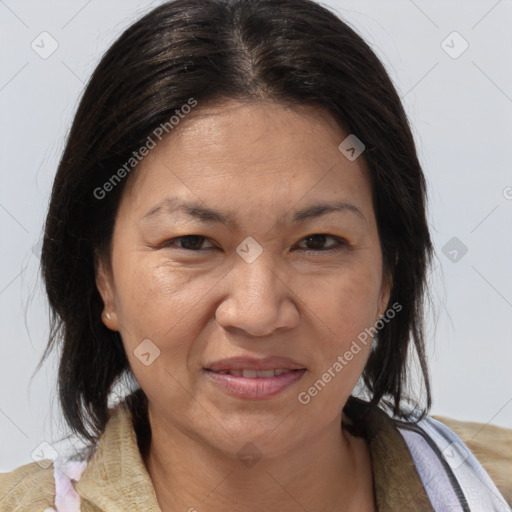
x=257, y=388
x=254, y=363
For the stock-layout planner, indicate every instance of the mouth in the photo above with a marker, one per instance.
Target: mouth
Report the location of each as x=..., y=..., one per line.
x=247, y=364
x=255, y=374
x=254, y=379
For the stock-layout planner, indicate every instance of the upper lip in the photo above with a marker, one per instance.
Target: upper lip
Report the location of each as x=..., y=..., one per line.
x=254, y=363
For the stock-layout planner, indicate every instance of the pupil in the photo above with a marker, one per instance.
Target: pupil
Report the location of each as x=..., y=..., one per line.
x=190, y=239
x=320, y=238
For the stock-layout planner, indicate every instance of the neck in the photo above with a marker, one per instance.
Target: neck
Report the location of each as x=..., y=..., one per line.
x=331, y=472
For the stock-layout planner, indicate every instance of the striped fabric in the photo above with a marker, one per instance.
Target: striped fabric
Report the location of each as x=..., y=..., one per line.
x=453, y=478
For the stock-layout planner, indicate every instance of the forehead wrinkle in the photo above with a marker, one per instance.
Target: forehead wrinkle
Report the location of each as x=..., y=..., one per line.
x=209, y=215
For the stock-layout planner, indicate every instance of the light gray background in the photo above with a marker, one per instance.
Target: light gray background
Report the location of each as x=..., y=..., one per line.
x=461, y=113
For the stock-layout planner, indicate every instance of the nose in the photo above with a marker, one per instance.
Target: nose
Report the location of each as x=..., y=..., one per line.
x=257, y=300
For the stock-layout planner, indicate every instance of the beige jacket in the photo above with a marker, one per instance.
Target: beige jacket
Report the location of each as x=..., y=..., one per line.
x=116, y=479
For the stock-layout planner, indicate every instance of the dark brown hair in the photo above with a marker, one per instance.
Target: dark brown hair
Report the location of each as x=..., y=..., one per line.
x=293, y=52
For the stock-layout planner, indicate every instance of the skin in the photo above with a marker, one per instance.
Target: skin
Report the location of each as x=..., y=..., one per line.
x=257, y=161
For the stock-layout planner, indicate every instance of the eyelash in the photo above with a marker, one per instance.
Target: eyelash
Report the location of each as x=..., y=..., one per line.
x=341, y=244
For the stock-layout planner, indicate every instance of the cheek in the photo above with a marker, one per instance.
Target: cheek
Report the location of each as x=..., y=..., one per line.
x=158, y=303
x=344, y=307
x=346, y=300
x=156, y=299
x=165, y=303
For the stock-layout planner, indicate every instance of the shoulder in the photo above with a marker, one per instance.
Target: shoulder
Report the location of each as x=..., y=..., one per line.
x=39, y=485
x=492, y=447
x=28, y=488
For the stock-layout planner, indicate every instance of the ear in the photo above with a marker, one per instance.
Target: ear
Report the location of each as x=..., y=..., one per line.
x=385, y=292
x=105, y=285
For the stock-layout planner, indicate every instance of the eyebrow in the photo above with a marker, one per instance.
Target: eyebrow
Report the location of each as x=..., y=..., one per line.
x=208, y=216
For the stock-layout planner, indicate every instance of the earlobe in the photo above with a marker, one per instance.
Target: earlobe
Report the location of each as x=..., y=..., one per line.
x=110, y=320
x=106, y=291
x=385, y=297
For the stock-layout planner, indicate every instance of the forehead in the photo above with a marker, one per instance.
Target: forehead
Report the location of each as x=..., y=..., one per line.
x=243, y=154
x=258, y=134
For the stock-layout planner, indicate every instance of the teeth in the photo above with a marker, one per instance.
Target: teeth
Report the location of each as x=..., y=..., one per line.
x=253, y=374
x=265, y=373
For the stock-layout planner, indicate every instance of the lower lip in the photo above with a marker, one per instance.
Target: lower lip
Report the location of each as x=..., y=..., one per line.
x=258, y=388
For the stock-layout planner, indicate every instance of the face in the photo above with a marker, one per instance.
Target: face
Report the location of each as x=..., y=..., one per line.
x=252, y=271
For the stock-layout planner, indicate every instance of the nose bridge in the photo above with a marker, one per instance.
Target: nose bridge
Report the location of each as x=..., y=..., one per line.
x=256, y=299
x=255, y=276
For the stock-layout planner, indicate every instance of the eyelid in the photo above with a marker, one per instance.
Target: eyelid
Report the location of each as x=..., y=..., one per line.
x=341, y=243
x=171, y=242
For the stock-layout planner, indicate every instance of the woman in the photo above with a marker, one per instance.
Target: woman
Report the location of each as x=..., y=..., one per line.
x=238, y=222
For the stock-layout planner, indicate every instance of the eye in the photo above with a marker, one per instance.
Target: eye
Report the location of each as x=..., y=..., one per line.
x=188, y=242
x=318, y=239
